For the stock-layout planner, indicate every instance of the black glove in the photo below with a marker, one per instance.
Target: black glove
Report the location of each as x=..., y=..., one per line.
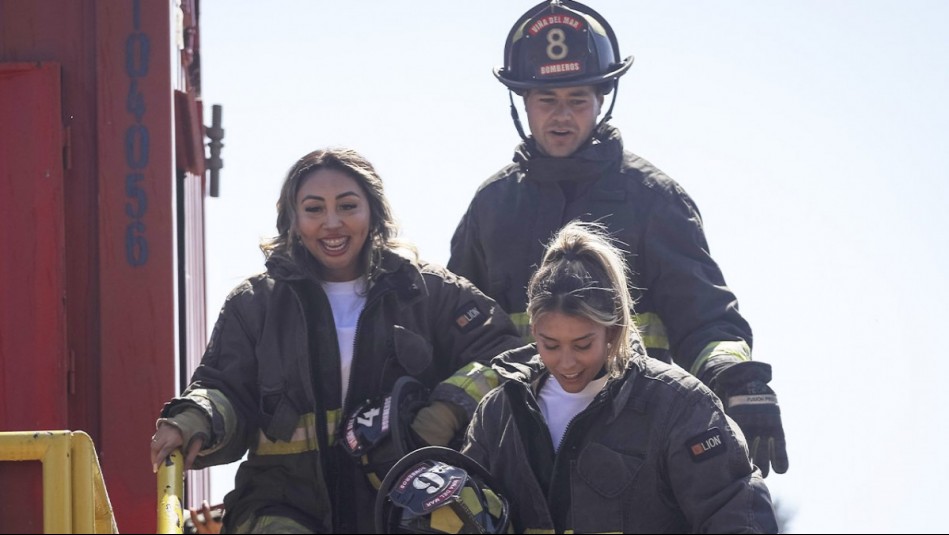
x=379, y=433
x=743, y=389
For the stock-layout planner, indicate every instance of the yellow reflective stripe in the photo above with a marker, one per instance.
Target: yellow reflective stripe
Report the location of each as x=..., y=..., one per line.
x=475, y=379
x=304, y=436
x=523, y=324
x=652, y=329
x=303, y=439
x=332, y=420
x=721, y=350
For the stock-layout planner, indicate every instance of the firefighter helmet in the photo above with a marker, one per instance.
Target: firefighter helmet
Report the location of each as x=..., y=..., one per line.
x=561, y=43
x=438, y=490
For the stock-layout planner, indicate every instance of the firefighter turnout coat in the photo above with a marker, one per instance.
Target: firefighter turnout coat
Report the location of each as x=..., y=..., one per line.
x=271, y=385
x=684, y=309
x=654, y=452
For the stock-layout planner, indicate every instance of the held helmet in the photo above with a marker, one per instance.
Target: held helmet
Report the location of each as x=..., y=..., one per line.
x=561, y=43
x=438, y=490
x=378, y=432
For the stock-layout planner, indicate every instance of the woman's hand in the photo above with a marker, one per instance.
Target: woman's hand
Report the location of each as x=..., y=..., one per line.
x=166, y=439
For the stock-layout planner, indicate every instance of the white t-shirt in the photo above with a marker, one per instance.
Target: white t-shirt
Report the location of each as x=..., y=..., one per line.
x=347, y=300
x=559, y=406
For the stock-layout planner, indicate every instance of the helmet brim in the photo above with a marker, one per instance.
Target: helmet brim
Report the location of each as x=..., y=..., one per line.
x=521, y=85
x=429, y=453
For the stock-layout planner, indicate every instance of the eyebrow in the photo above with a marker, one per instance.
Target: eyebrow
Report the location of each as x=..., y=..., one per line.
x=340, y=196
x=579, y=339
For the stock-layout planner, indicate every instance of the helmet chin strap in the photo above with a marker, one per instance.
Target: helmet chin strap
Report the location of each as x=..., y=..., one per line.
x=606, y=117
x=515, y=116
x=609, y=112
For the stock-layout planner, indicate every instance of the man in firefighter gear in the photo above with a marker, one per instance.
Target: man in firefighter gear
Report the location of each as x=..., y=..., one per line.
x=562, y=58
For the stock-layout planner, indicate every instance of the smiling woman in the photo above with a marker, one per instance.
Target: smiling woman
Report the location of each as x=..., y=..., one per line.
x=345, y=320
x=333, y=216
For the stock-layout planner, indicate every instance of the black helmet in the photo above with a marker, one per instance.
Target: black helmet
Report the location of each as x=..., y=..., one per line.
x=561, y=43
x=438, y=490
x=378, y=433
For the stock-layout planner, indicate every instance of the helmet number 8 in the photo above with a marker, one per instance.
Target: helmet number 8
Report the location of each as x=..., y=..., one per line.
x=556, y=44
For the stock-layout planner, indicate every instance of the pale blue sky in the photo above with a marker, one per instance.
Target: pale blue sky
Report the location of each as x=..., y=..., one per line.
x=813, y=135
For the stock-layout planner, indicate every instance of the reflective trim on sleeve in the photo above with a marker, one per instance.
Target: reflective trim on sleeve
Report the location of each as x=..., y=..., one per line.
x=721, y=351
x=652, y=330
x=475, y=380
x=753, y=399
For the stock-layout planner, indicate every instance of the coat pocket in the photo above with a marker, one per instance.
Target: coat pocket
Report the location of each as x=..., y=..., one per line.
x=413, y=352
x=278, y=416
x=601, y=479
x=606, y=471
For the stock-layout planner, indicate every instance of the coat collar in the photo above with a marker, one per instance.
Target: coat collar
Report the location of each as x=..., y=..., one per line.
x=523, y=365
x=604, y=149
x=396, y=272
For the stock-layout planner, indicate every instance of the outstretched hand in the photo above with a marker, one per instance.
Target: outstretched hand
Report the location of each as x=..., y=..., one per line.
x=168, y=438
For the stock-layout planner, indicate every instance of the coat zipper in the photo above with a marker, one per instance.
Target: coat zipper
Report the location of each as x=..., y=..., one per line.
x=585, y=413
x=371, y=301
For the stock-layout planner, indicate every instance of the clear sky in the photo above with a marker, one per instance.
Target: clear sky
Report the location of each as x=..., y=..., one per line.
x=812, y=134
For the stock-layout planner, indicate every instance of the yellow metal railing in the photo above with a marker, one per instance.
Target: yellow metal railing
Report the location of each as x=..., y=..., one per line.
x=170, y=491
x=74, y=495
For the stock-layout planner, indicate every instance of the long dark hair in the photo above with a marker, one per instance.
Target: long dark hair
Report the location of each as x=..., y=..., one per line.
x=383, y=229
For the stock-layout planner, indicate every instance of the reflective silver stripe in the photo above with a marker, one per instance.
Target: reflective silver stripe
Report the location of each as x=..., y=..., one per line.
x=720, y=351
x=753, y=399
